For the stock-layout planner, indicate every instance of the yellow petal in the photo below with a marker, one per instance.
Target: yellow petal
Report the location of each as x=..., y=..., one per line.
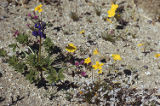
x=95, y=52
x=40, y=10
x=99, y=71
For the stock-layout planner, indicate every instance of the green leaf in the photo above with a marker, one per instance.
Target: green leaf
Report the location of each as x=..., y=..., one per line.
x=60, y=74
x=48, y=44
x=20, y=67
x=32, y=60
x=52, y=76
x=3, y=53
x=13, y=60
x=22, y=39
x=13, y=46
x=32, y=76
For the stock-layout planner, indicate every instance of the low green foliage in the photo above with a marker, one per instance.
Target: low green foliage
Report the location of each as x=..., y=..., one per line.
x=74, y=16
x=22, y=39
x=48, y=44
x=3, y=53
x=13, y=46
x=108, y=37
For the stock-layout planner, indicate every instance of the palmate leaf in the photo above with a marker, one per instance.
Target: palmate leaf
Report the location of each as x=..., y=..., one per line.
x=22, y=39
x=60, y=74
x=52, y=76
x=32, y=76
x=20, y=67
x=13, y=60
x=48, y=44
x=13, y=46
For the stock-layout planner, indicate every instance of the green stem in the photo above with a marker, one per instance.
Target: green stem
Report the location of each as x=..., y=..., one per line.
x=39, y=54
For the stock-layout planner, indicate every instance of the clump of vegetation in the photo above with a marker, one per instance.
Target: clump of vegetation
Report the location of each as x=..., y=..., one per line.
x=74, y=16
x=108, y=37
x=98, y=10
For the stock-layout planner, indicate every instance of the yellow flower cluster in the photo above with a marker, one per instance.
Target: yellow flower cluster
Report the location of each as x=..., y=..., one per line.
x=157, y=55
x=71, y=47
x=98, y=66
x=87, y=60
x=111, y=12
x=116, y=57
x=38, y=8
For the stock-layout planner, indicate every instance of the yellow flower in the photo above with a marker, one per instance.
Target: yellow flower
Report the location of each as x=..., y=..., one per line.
x=116, y=57
x=82, y=32
x=140, y=44
x=95, y=52
x=99, y=71
x=38, y=8
x=98, y=65
x=71, y=47
x=111, y=12
x=81, y=92
x=108, y=20
x=157, y=55
x=87, y=60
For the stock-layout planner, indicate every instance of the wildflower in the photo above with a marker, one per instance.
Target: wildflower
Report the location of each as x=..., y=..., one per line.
x=157, y=55
x=29, y=15
x=71, y=47
x=109, y=20
x=38, y=8
x=39, y=29
x=16, y=33
x=111, y=12
x=98, y=65
x=116, y=57
x=99, y=71
x=87, y=60
x=83, y=73
x=140, y=44
x=81, y=92
x=95, y=52
x=82, y=32
x=76, y=63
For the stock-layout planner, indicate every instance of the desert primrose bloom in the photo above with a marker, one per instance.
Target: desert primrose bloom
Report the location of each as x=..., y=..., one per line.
x=140, y=44
x=71, y=47
x=38, y=8
x=157, y=55
x=99, y=71
x=87, y=60
x=95, y=52
x=116, y=57
x=82, y=31
x=98, y=65
x=111, y=12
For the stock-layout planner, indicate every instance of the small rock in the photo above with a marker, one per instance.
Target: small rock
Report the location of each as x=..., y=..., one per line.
x=147, y=73
x=4, y=3
x=127, y=71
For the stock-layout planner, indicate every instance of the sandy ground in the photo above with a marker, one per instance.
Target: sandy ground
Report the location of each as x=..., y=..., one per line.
x=12, y=84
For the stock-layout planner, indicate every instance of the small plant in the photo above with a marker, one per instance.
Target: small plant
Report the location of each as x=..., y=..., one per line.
x=35, y=66
x=98, y=11
x=74, y=16
x=108, y=37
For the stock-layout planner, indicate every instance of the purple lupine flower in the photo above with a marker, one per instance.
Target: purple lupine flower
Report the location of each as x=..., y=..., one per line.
x=35, y=33
x=41, y=34
x=83, y=73
x=81, y=62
